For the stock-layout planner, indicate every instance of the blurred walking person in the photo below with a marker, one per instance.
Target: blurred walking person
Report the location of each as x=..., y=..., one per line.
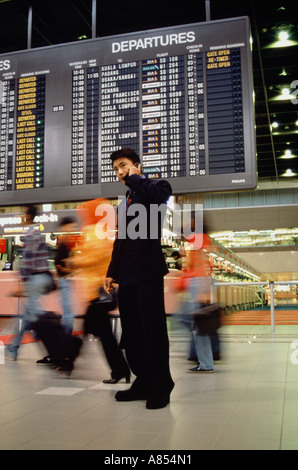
x=68, y=225
x=65, y=282
x=197, y=290
x=93, y=261
x=35, y=278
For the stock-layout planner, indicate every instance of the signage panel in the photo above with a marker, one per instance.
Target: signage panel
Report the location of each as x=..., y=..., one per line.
x=182, y=97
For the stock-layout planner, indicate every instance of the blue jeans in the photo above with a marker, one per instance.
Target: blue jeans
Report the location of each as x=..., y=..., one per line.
x=65, y=288
x=36, y=286
x=204, y=351
x=203, y=345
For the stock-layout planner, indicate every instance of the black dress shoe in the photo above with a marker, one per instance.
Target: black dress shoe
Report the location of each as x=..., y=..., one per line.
x=45, y=360
x=155, y=401
x=130, y=395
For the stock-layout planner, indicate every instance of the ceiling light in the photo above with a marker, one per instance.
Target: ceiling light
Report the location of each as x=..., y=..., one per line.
x=289, y=173
x=285, y=92
x=283, y=35
x=288, y=155
x=275, y=124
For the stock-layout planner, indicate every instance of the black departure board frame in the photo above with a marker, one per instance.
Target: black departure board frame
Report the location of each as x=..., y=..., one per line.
x=182, y=97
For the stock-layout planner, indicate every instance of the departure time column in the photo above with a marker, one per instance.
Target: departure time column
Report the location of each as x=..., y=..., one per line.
x=77, y=144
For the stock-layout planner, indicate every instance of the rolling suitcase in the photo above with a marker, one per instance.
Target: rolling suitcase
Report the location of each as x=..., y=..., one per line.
x=61, y=347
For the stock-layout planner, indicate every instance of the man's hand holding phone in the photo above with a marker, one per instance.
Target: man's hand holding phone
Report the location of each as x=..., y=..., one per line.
x=135, y=169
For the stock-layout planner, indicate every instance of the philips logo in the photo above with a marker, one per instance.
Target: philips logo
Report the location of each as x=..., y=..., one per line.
x=4, y=65
x=239, y=181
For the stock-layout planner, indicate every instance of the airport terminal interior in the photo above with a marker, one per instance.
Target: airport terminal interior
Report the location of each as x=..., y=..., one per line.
x=250, y=401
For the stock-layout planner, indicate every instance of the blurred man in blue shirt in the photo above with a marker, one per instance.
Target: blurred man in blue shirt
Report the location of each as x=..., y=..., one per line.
x=36, y=280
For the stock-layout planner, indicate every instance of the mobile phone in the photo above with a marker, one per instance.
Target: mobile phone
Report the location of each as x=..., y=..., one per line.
x=138, y=166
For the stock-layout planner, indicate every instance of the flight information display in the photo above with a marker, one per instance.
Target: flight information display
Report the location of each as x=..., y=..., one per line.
x=181, y=97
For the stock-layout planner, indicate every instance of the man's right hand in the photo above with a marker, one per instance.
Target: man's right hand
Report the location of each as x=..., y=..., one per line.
x=108, y=284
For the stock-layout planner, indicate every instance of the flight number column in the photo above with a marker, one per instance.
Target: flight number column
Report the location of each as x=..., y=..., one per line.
x=163, y=117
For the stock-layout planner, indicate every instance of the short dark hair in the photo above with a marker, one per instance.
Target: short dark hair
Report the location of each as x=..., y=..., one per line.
x=31, y=211
x=127, y=153
x=66, y=221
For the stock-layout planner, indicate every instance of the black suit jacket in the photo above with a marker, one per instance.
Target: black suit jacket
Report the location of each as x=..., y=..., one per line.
x=138, y=260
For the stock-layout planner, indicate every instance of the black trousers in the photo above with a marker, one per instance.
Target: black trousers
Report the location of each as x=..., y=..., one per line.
x=145, y=336
x=98, y=322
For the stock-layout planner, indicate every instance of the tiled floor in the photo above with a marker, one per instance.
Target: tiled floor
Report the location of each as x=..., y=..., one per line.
x=249, y=402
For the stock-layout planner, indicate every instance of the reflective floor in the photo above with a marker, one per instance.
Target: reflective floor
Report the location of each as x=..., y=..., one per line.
x=249, y=402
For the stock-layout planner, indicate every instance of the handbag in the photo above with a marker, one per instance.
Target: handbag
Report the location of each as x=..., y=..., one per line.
x=103, y=304
x=207, y=319
x=107, y=299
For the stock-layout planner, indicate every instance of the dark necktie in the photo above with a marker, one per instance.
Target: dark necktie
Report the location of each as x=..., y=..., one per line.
x=129, y=197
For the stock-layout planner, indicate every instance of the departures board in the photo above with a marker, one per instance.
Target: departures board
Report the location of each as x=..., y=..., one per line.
x=181, y=97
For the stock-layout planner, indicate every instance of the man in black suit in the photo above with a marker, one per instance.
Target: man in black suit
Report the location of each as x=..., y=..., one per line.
x=138, y=266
